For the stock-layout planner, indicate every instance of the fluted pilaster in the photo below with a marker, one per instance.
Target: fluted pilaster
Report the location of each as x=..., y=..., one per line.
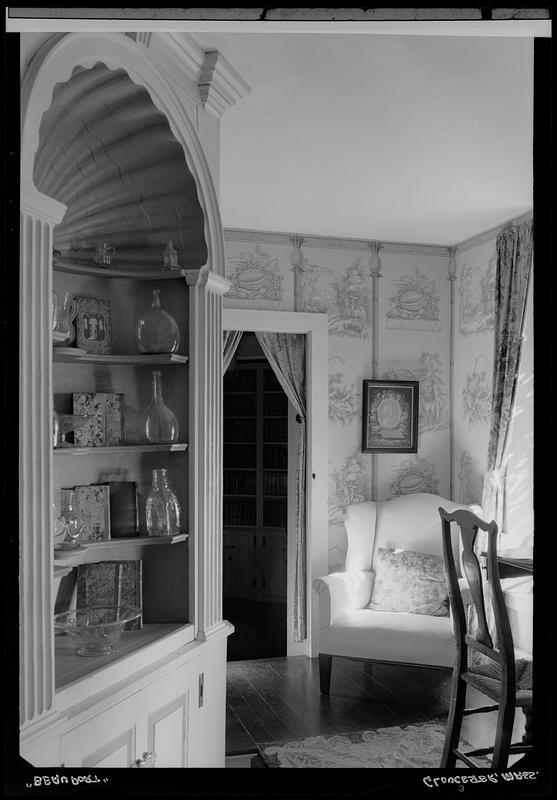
x=39, y=214
x=205, y=445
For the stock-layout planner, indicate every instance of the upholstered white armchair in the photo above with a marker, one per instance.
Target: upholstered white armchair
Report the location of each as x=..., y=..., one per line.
x=347, y=626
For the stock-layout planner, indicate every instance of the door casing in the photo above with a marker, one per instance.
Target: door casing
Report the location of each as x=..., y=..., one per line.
x=315, y=329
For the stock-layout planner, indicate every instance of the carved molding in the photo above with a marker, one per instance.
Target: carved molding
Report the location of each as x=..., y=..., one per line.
x=39, y=205
x=331, y=242
x=184, y=51
x=220, y=86
x=55, y=61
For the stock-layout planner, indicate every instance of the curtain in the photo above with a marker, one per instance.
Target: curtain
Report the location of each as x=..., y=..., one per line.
x=514, y=260
x=230, y=342
x=285, y=353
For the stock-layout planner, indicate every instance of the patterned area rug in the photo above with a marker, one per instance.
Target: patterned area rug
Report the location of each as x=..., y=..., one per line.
x=398, y=747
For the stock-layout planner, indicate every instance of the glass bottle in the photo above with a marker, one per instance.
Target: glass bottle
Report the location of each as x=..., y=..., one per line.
x=66, y=521
x=161, y=426
x=157, y=331
x=53, y=311
x=65, y=314
x=162, y=510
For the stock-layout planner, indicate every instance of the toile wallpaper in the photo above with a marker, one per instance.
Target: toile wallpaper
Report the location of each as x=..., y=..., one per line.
x=473, y=366
x=288, y=273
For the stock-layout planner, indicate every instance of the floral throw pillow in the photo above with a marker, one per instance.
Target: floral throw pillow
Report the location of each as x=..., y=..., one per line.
x=409, y=581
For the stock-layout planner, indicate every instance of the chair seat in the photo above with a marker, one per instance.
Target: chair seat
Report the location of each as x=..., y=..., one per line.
x=391, y=636
x=487, y=679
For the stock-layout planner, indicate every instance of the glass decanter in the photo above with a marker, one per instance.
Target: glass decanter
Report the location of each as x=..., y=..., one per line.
x=162, y=510
x=65, y=314
x=161, y=425
x=157, y=331
x=66, y=521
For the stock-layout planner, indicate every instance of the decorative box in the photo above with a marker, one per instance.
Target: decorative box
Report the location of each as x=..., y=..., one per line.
x=106, y=429
x=93, y=506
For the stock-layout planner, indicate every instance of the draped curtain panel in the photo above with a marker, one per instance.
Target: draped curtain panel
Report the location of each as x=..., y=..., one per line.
x=285, y=353
x=514, y=263
x=231, y=340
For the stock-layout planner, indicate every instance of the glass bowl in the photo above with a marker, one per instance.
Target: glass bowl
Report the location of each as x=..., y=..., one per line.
x=96, y=631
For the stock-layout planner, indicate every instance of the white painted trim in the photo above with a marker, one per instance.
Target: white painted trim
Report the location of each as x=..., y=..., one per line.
x=55, y=61
x=315, y=328
x=333, y=242
x=382, y=24
x=40, y=205
x=220, y=86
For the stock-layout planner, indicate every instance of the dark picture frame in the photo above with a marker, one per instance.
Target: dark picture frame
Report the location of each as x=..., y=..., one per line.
x=390, y=416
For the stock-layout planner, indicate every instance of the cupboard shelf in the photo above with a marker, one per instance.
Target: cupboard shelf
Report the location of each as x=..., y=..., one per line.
x=179, y=447
x=113, y=549
x=132, y=360
x=71, y=667
x=99, y=272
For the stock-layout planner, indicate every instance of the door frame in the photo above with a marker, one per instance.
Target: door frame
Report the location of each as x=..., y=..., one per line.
x=316, y=330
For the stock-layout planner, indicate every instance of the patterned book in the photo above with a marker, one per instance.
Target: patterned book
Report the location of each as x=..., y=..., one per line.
x=106, y=428
x=93, y=504
x=111, y=583
x=114, y=419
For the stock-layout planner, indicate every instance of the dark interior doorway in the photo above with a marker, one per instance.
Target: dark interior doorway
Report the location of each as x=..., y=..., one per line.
x=255, y=482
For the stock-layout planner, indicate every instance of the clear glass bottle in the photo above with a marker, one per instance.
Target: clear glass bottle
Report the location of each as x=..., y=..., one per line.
x=66, y=311
x=156, y=331
x=66, y=521
x=161, y=425
x=162, y=510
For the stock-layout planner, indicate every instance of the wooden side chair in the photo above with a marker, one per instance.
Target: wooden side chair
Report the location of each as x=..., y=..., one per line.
x=485, y=656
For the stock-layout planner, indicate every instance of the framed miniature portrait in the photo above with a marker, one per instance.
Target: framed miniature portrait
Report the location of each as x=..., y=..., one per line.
x=93, y=325
x=390, y=416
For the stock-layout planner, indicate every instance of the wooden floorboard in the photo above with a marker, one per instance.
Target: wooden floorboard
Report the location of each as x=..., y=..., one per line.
x=279, y=699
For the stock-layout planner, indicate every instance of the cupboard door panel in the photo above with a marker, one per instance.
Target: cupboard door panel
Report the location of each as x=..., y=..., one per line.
x=119, y=753
x=111, y=738
x=167, y=733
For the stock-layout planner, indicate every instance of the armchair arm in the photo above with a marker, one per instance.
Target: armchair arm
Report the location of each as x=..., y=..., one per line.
x=342, y=591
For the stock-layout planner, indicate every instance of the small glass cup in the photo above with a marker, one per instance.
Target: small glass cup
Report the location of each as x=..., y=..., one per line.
x=66, y=521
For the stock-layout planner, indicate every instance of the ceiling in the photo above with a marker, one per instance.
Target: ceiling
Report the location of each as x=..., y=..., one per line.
x=401, y=138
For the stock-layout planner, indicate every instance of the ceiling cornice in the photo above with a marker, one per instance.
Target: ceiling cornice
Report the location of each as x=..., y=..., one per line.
x=486, y=236
x=334, y=243
x=220, y=86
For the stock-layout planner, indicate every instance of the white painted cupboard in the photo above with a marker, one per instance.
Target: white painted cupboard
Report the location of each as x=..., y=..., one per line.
x=113, y=136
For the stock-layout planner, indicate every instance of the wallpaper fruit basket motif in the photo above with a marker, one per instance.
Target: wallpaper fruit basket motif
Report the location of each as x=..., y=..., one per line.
x=255, y=276
x=414, y=306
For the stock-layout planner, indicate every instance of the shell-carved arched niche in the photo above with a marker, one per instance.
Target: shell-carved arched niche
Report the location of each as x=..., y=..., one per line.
x=109, y=155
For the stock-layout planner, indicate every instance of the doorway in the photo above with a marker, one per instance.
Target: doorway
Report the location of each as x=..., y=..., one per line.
x=255, y=486
x=315, y=329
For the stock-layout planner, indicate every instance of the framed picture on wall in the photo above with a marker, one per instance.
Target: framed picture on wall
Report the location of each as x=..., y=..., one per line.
x=390, y=416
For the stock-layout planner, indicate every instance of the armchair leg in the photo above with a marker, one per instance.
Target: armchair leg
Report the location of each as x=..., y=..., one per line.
x=325, y=664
